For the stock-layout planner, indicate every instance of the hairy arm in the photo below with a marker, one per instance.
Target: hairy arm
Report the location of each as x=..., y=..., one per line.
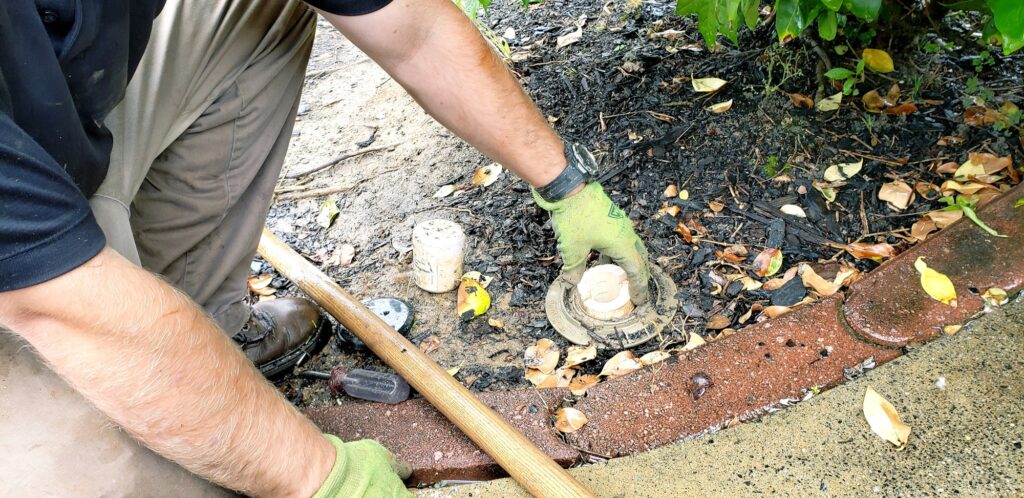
x=435, y=52
x=150, y=359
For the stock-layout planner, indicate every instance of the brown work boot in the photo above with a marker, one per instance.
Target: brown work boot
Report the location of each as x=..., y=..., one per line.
x=282, y=333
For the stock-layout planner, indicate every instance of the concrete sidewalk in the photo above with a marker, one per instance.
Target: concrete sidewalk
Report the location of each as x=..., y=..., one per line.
x=966, y=441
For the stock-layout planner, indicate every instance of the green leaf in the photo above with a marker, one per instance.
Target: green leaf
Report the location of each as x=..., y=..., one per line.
x=1019, y=203
x=832, y=5
x=971, y=215
x=750, y=13
x=827, y=26
x=839, y=73
x=792, y=17
x=707, y=17
x=1009, y=17
x=866, y=10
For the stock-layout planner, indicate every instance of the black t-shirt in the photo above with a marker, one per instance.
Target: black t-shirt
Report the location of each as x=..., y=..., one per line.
x=64, y=64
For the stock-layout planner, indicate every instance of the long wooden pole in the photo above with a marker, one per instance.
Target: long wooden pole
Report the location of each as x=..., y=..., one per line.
x=526, y=463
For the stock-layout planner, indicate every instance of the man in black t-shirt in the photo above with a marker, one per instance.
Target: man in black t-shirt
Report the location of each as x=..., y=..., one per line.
x=104, y=184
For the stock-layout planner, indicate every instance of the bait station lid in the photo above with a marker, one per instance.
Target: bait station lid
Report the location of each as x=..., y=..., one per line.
x=598, y=309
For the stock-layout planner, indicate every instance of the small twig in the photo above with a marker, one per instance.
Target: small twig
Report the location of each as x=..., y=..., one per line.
x=338, y=159
x=872, y=157
x=863, y=215
x=294, y=194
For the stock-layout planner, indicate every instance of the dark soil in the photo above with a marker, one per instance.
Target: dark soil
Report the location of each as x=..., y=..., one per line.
x=627, y=95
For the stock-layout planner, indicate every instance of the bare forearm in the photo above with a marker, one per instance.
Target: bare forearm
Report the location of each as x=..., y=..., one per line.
x=437, y=54
x=149, y=359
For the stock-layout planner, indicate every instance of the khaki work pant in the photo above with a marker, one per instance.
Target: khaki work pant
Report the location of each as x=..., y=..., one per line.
x=199, y=142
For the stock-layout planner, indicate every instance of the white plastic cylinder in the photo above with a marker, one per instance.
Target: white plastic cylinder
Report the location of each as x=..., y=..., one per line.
x=437, y=253
x=604, y=292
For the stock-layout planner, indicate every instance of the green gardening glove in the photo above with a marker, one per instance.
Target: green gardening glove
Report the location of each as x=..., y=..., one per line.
x=589, y=220
x=364, y=469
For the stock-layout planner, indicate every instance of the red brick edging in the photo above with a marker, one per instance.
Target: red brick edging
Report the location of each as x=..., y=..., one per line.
x=760, y=367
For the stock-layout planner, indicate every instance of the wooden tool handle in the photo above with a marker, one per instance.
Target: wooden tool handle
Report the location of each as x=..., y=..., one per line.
x=526, y=463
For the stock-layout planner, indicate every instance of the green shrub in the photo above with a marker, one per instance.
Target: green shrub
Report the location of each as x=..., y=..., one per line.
x=1004, y=18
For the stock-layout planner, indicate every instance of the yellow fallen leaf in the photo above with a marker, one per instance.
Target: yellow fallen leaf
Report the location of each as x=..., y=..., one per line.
x=472, y=300
x=328, y=212
x=454, y=370
x=767, y=263
x=884, y=420
x=542, y=356
x=577, y=355
x=830, y=103
x=705, y=85
x=951, y=329
x=693, y=342
x=937, y=285
x=720, y=107
x=487, y=175
x=842, y=172
x=878, y=60
x=654, y=357
x=580, y=384
x=967, y=188
x=684, y=195
x=995, y=297
x=621, y=364
x=569, y=420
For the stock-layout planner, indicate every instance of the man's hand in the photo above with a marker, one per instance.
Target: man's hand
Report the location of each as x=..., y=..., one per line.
x=364, y=468
x=589, y=220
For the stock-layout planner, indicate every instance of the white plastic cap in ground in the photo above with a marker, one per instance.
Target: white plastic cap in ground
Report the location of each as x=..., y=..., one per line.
x=437, y=251
x=604, y=292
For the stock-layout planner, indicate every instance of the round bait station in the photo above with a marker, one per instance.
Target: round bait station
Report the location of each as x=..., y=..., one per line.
x=599, y=309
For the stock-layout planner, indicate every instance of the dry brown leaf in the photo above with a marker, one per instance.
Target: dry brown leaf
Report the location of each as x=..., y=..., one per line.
x=569, y=39
x=981, y=164
x=873, y=101
x=980, y=116
x=951, y=329
x=775, y=283
x=430, y=344
x=884, y=420
x=927, y=190
x=621, y=364
x=922, y=228
x=767, y=263
x=968, y=188
x=718, y=322
x=893, y=95
x=897, y=194
x=260, y=282
x=653, y=357
x=950, y=140
x=496, y=323
x=444, y=191
x=814, y=281
x=577, y=355
x=801, y=101
x=671, y=191
x=684, y=231
x=875, y=252
x=580, y=384
x=776, y=311
x=487, y=175
x=733, y=254
x=672, y=211
x=716, y=206
x=944, y=219
x=569, y=420
x=542, y=356
x=947, y=168
x=904, y=109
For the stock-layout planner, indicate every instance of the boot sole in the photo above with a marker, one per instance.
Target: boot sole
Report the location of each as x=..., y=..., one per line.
x=312, y=345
